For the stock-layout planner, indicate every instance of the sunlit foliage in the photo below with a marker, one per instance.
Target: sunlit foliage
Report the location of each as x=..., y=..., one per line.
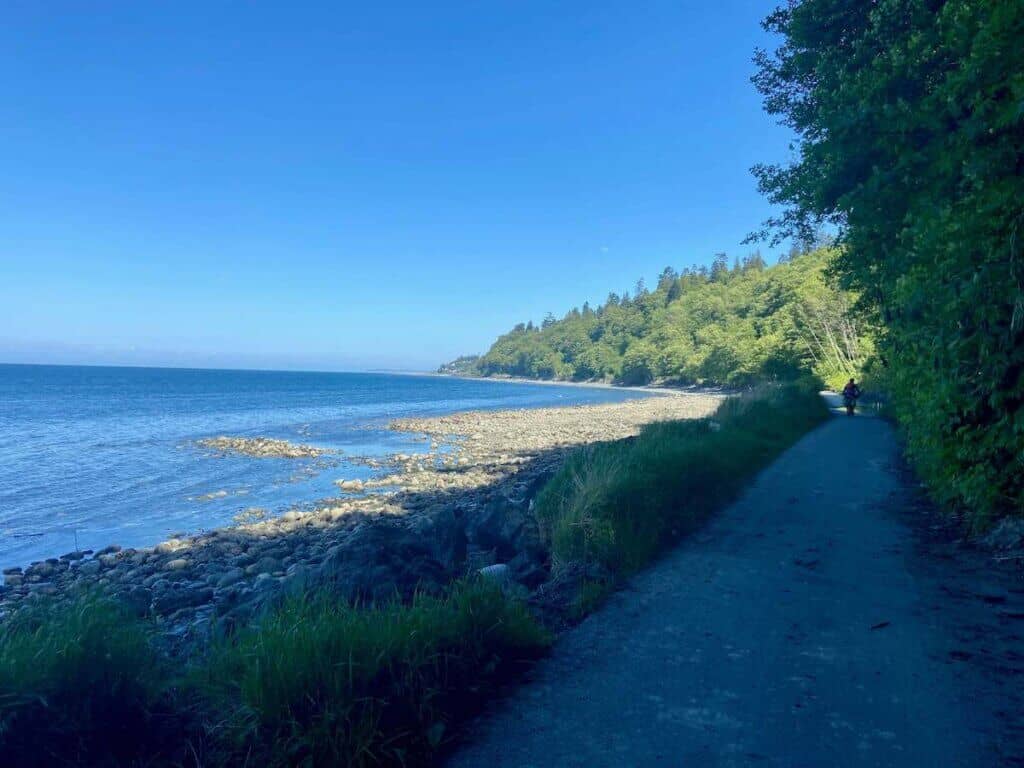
x=910, y=117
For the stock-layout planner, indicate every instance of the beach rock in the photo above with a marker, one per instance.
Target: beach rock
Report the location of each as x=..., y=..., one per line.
x=244, y=559
x=40, y=570
x=229, y=577
x=498, y=572
x=169, y=546
x=176, y=598
x=13, y=579
x=446, y=530
x=505, y=528
x=138, y=599
x=528, y=569
x=297, y=581
x=265, y=564
x=264, y=582
x=379, y=561
x=90, y=567
x=261, y=447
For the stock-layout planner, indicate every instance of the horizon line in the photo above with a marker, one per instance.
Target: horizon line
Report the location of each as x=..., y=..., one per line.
x=393, y=371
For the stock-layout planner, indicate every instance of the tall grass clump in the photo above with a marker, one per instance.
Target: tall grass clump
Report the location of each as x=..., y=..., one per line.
x=617, y=504
x=315, y=681
x=320, y=682
x=82, y=684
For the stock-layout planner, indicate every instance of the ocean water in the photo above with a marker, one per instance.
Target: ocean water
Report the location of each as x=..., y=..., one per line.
x=93, y=456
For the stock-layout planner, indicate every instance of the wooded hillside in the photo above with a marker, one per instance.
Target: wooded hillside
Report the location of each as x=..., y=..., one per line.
x=731, y=325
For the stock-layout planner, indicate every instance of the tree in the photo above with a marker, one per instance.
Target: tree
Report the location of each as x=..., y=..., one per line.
x=754, y=261
x=667, y=278
x=759, y=324
x=911, y=149
x=720, y=267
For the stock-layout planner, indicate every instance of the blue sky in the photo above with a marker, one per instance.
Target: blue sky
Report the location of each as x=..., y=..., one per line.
x=346, y=186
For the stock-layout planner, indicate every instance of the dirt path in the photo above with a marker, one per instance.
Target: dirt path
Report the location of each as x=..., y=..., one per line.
x=811, y=624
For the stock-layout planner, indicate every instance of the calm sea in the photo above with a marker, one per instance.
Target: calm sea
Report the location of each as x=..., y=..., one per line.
x=93, y=456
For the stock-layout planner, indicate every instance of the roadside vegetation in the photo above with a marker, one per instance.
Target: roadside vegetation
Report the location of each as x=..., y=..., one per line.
x=619, y=504
x=315, y=682
x=911, y=145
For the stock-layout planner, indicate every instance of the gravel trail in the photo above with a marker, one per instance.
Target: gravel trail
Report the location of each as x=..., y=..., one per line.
x=816, y=622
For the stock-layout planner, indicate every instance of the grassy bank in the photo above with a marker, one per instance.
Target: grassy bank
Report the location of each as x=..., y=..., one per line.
x=315, y=682
x=618, y=504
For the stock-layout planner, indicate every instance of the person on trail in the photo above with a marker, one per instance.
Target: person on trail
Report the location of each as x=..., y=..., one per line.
x=850, y=394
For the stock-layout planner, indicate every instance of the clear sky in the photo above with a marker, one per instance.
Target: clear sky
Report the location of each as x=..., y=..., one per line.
x=344, y=186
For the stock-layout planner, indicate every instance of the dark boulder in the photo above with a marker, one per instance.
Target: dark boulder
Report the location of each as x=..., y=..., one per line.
x=176, y=597
x=446, y=531
x=379, y=561
x=506, y=527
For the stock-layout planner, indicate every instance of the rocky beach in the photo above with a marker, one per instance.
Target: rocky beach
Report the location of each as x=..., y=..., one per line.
x=462, y=504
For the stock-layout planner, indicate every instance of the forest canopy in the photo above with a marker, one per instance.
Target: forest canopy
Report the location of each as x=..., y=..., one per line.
x=910, y=118
x=731, y=325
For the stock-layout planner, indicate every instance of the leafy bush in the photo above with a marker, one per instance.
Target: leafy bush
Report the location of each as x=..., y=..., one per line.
x=618, y=504
x=911, y=143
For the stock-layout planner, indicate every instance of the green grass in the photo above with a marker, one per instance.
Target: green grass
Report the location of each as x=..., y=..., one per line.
x=314, y=682
x=82, y=684
x=591, y=596
x=619, y=504
x=323, y=683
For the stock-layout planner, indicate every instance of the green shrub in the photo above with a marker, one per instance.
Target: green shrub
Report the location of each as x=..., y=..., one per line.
x=618, y=504
x=323, y=683
x=910, y=140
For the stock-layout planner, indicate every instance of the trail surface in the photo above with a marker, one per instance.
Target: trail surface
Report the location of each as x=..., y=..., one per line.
x=816, y=622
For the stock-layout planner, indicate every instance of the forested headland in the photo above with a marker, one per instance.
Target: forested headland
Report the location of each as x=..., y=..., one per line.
x=733, y=324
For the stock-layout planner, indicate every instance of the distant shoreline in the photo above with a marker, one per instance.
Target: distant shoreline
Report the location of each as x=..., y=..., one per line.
x=664, y=389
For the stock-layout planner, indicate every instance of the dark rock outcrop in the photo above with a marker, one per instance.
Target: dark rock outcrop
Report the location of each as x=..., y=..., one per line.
x=377, y=562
